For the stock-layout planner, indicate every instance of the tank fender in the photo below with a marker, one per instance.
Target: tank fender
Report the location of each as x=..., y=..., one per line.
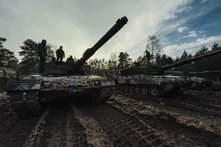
x=23, y=86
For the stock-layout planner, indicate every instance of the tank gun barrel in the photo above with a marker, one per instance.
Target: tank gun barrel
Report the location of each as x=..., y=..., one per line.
x=113, y=30
x=186, y=61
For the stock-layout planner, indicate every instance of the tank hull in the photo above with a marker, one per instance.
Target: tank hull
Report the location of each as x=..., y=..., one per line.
x=29, y=94
x=76, y=93
x=158, y=85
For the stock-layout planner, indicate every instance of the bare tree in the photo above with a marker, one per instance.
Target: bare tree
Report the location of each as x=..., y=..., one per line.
x=153, y=46
x=112, y=64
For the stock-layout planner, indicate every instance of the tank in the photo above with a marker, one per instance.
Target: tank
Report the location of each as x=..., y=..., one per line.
x=62, y=80
x=158, y=81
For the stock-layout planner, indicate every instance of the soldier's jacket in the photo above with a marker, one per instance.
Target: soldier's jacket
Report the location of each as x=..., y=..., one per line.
x=60, y=53
x=42, y=50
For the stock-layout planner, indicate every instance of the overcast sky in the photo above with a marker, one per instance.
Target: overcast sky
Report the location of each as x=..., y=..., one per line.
x=78, y=24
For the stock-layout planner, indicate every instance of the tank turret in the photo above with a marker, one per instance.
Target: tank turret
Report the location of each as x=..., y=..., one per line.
x=157, y=70
x=79, y=66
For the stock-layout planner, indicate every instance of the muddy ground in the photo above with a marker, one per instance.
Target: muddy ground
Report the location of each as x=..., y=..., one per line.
x=190, y=119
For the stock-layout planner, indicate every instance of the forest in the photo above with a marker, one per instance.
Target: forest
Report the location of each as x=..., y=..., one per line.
x=152, y=54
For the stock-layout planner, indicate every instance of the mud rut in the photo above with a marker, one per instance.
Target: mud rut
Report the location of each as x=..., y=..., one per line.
x=122, y=121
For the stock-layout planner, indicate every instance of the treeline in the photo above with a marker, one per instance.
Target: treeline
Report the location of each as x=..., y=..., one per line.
x=152, y=55
x=7, y=57
x=123, y=60
x=29, y=57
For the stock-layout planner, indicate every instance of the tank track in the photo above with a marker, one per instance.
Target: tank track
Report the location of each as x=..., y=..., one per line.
x=26, y=104
x=145, y=90
x=103, y=96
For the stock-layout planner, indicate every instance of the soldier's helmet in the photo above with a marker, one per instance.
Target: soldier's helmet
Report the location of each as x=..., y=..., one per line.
x=43, y=41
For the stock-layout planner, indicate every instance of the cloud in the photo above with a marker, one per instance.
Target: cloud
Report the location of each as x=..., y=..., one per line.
x=181, y=29
x=191, y=47
x=78, y=24
x=203, y=1
x=191, y=34
x=185, y=8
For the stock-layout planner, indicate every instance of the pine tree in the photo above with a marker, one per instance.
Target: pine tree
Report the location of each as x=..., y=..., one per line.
x=30, y=60
x=124, y=60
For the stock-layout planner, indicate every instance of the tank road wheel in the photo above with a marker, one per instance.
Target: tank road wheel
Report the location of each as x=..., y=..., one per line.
x=131, y=88
x=193, y=85
x=137, y=89
x=103, y=96
x=117, y=87
x=154, y=91
x=121, y=87
x=144, y=91
x=161, y=90
x=126, y=88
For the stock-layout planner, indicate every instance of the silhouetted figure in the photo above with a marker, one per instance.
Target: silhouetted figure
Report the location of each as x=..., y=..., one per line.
x=53, y=59
x=147, y=53
x=42, y=52
x=52, y=63
x=60, y=54
x=70, y=59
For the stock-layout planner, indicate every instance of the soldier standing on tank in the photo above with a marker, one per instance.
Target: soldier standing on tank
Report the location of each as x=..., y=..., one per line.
x=147, y=54
x=70, y=59
x=42, y=52
x=60, y=54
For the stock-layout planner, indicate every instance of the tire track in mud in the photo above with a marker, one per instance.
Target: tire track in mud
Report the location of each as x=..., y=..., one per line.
x=64, y=125
x=185, y=116
x=207, y=105
x=74, y=131
x=56, y=126
x=123, y=129
x=197, y=106
x=207, y=101
x=37, y=137
x=117, y=123
x=49, y=129
x=94, y=133
x=53, y=129
x=69, y=127
x=199, y=117
x=180, y=133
